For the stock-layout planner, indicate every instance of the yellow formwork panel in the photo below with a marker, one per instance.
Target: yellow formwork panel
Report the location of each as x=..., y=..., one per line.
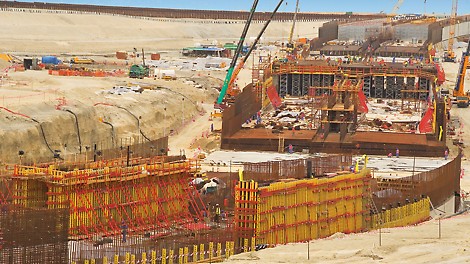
x=307, y=209
x=405, y=215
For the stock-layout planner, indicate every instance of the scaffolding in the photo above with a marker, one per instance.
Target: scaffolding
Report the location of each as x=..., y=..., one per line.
x=379, y=82
x=108, y=196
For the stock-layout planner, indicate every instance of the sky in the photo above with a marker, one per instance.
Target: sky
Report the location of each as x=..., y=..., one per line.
x=367, y=6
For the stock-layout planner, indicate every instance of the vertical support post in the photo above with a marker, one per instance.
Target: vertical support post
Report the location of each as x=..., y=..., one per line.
x=211, y=250
x=153, y=260
x=186, y=254
x=219, y=250
x=439, y=219
x=127, y=258
x=380, y=234
x=309, y=236
x=144, y=258
x=202, y=254
x=171, y=254
x=227, y=249
x=116, y=259
x=180, y=255
x=132, y=259
x=194, y=253
x=245, y=245
x=164, y=256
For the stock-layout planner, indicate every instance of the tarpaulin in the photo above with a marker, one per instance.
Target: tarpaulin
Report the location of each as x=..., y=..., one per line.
x=425, y=126
x=362, y=102
x=274, y=96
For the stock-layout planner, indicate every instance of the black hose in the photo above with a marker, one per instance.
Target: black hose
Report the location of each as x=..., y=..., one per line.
x=113, y=136
x=43, y=135
x=78, y=129
x=138, y=121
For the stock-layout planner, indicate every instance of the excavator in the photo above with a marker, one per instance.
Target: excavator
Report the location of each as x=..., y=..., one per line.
x=462, y=97
x=228, y=91
x=449, y=55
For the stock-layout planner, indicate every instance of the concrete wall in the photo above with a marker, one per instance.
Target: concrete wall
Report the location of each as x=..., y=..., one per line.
x=360, y=31
x=461, y=29
x=411, y=32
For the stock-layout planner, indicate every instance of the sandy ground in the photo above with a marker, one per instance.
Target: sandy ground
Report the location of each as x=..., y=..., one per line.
x=35, y=94
x=93, y=34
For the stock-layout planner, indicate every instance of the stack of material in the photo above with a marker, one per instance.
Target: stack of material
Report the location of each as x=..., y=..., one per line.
x=121, y=55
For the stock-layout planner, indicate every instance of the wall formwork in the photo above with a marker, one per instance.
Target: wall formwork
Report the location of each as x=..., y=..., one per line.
x=301, y=210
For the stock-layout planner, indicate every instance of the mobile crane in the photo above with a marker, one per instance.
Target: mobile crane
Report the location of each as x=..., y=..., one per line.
x=462, y=97
x=228, y=77
x=228, y=87
x=231, y=91
x=449, y=55
x=290, y=42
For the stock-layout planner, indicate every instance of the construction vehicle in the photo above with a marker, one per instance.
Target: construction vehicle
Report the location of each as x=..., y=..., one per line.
x=290, y=44
x=77, y=60
x=231, y=68
x=232, y=91
x=462, y=97
x=449, y=55
x=139, y=70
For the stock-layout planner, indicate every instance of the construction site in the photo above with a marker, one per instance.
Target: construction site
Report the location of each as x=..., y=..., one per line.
x=311, y=137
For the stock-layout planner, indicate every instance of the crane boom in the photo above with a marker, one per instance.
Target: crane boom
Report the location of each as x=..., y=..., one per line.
x=240, y=65
x=453, y=17
x=291, y=35
x=237, y=53
x=396, y=7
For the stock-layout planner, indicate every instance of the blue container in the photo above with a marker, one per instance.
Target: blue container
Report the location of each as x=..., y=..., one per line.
x=50, y=60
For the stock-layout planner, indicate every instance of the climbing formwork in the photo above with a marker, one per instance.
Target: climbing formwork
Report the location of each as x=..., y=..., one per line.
x=380, y=81
x=301, y=210
x=106, y=197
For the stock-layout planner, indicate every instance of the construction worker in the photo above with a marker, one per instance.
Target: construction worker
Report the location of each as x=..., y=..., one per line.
x=217, y=213
x=124, y=228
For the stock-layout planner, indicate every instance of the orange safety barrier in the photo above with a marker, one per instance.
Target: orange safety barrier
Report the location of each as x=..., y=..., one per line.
x=87, y=73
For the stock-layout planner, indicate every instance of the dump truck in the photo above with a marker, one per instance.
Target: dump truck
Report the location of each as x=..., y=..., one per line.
x=138, y=71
